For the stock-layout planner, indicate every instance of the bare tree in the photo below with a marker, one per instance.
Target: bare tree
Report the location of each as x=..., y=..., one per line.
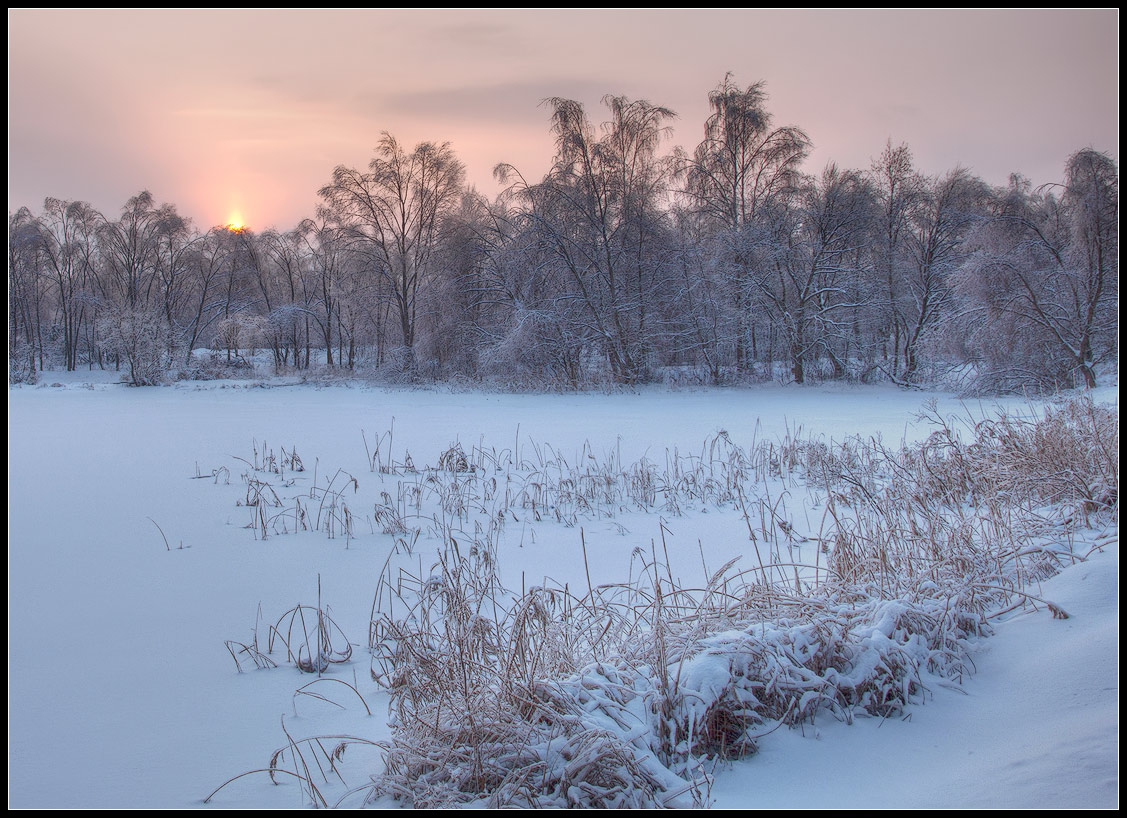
x=206, y=299
x=940, y=220
x=69, y=232
x=1043, y=280
x=899, y=189
x=28, y=298
x=744, y=167
x=804, y=280
x=597, y=217
x=396, y=212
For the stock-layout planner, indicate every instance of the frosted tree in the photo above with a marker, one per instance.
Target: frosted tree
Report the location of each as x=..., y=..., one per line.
x=807, y=279
x=206, y=292
x=326, y=247
x=941, y=218
x=129, y=248
x=396, y=213
x=899, y=189
x=291, y=316
x=452, y=310
x=743, y=169
x=531, y=331
x=1042, y=284
x=598, y=218
x=1091, y=197
x=139, y=336
x=143, y=262
x=69, y=233
x=28, y=297
x=744, y=162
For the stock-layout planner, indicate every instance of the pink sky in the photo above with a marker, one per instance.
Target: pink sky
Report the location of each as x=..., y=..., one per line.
x=249, y=111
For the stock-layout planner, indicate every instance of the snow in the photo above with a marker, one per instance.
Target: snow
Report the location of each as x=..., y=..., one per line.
x=1036, y=727
x=122, y=694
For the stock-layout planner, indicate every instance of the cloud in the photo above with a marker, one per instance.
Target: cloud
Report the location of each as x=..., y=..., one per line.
x=479, y=34
x=506, y=102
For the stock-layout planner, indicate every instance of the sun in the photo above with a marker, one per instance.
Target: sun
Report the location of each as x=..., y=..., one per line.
x=235, y=222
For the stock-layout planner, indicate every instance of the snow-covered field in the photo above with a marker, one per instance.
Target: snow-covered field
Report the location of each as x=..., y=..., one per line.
x=122, y=693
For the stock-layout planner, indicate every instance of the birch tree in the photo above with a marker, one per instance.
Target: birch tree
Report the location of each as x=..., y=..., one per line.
x=744, y=168
x=597, y=217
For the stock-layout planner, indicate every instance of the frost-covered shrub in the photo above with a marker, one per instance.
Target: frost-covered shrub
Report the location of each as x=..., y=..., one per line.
x=400, y=366
x=140, y=337
x=544, y=349
x=210, y=365
x=623, y=695
x=21, y=363
x=242, y=331
x=545, y=699
x=1069, y=455
x=479, y=720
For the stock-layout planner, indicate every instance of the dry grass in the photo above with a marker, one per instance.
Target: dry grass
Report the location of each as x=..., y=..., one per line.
x=616, y=697
x=622, y=695
x=619, y=696
x=311, y=761
x=312, y=639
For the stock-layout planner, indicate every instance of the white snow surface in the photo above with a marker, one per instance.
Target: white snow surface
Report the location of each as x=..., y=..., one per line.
x=122, y=694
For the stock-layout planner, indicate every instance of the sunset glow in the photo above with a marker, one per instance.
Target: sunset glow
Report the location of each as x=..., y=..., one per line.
x=235, y=221
x=254, y=111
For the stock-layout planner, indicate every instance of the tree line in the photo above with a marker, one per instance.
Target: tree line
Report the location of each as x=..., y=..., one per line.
x=627, y=262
